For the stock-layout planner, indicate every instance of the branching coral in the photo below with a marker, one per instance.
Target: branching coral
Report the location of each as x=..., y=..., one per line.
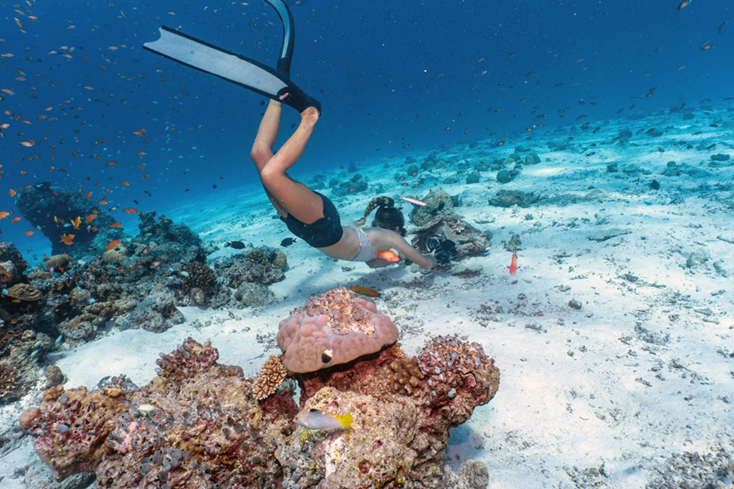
x=271, y=375
x=333, y=328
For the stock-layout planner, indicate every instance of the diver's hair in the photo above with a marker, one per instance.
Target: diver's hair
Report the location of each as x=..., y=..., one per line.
x=374, y=204
x=387, y=216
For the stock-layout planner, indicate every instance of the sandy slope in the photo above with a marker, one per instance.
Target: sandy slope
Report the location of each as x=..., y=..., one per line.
x=598, y=396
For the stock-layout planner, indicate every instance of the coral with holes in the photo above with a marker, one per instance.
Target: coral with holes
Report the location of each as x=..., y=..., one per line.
x=333, y=328
x=195, y=425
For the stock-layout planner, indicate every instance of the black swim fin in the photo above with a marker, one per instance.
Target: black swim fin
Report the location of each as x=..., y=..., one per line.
x=240, y=70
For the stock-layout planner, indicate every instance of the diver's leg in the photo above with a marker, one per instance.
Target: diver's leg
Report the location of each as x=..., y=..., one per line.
x=262, y=148
x=298, y=200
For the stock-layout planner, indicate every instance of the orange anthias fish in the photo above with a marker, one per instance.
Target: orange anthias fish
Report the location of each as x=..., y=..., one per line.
x=130, y=210
x=90, y=218
x=388, y=255
x=67, y=239
x=76, y=222
x=116, y=225
x=513, y=264
x=112, y=244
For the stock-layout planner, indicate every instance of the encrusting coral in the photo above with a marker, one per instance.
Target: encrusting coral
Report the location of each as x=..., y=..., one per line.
x=333, y=328
x=24, y=292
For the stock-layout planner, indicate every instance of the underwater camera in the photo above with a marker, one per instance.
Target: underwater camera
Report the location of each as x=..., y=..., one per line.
x=444, y=249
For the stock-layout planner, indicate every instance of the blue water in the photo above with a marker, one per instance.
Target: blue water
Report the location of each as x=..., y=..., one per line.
x=392, y=77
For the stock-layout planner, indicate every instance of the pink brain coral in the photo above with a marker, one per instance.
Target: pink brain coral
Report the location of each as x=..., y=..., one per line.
x=333, y=328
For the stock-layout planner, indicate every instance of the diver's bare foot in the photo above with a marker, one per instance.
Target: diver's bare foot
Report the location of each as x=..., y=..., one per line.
x=309, y=117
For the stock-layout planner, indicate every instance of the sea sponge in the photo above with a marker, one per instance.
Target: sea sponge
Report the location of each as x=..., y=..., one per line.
x=272, y=374
x=333, y=328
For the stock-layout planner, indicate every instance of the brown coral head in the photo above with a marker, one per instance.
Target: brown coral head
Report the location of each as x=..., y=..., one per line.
x=332, y=329
x=28, y=418
x=24, y=292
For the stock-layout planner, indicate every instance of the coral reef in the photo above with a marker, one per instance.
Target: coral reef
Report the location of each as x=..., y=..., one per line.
x=200, y=424
x=195, y=425
x=9, y=253
x=333, y=328
x=262, y=265
x=45, y=207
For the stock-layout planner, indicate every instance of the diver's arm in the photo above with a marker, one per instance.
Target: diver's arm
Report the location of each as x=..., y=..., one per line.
x=387, y=239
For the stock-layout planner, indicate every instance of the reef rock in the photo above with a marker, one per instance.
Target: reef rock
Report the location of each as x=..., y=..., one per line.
x=438, y=206
x=42, y=203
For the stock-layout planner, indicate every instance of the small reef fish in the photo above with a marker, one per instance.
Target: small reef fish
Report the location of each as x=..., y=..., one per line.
x=237, y=245
x=366, y=291
x=683, y=5
x=115, y=225
x=288, y=241
x=4, y=214
x=316, y=419
x=76, y=222
x=415, y=202
x=67, y=239
x=513, y=264
x=112, y=244
x=90, y=218
x=130, y=210
x=388, y=255
x=28, y=233
x=15, y=219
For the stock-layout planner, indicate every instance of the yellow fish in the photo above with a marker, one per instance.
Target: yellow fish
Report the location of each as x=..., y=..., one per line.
x=316, y=419
x=76, y=222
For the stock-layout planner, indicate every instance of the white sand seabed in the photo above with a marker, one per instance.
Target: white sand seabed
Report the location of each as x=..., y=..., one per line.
x=599, y=395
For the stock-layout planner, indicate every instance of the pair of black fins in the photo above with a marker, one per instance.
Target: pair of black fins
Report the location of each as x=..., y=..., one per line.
x=245, y=72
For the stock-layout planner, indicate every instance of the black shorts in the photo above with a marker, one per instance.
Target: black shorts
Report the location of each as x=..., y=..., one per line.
x=324, y=232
